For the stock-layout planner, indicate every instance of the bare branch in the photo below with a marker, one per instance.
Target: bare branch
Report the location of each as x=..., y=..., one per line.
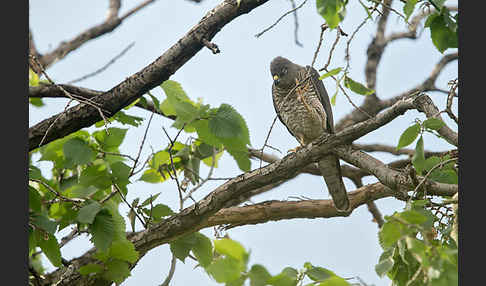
x=154, y=74
x=103, y=67
x=279, y=19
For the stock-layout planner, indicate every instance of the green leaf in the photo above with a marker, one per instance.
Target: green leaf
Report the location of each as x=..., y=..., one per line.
x=356, y=86
x=241, y=158
x=444, y=176
x=366, y=10
x=44, y=223
x=317, y=273
x=205, y=135
x=408, y=136
x=330, y=73
x=288, y=277
x=203, y=249
x=95, y=175
x=334, y=281
x=159, y=158
x=442, y=37
x=50, y=247
x=37, y=102
x=90, y=268
x=225, y=123
x=151, y=176
x=126, y=119
x=209, y=160
x=150, y=200
x=113, y=140
x=179, y=103
x=120, y=172
x=258, y=275
x=33, y=78
x=230, y=248
x=159, y=211
x=433, y=123
x=413, y=217
x=182, y=246
x=117, y=271
x=225, y=269
x=390, y=233
x=418, y=159
x=102, y=230
x=438, y=3
x=124, y=250
x=88, y=213
x=333, y=98
x=409, y=7
x=35, y=200
x=384, y=266
x=329, y=10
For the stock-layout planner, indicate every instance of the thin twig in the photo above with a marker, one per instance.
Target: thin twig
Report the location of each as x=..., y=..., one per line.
x=58, y=195
x=171, y=271
x=296, y=25
x=338, y=35
x=103, y=67
x=441, y=164
x=181, y=202
x=266, y=139
x=323, y=28
x=128, y=204
x=141, y=146
x=202, y=182
x=279, y=19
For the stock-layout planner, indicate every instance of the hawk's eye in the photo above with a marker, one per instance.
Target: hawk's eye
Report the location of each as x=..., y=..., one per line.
x=284, y=71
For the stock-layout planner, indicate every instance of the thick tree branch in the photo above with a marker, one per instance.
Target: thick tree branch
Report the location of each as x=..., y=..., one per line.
x=197, y=216
x=133, y=87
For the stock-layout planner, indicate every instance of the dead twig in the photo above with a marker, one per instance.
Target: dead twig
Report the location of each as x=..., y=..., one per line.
x=279, y=19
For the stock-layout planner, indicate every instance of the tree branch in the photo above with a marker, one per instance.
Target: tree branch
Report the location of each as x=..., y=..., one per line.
x=133, y=87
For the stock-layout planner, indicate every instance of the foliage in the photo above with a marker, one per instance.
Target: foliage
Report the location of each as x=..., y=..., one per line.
x=417, y=247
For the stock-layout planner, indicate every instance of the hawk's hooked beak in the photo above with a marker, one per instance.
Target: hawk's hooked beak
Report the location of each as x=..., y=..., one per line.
x=275, y=79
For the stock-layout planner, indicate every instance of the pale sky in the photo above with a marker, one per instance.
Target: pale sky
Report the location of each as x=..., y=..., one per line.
x=240, y=76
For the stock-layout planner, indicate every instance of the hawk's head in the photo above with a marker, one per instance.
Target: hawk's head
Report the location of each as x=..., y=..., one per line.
x=284, y=72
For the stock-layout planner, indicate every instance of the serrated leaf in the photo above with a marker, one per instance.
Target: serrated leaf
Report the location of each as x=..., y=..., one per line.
x=88, y=213
x=159, y=211
x=408, y=136
x=413, y=217
x=447, y=176
x=35, y=200
x=225, y=123
x=113, y=140
x=126, y=119
x=90, y=268
x=331, y=73
x=433, y=123
x=178, y=102
x=50, y=247
x=334, y=281
x=151, y=176
x=317, y=273
x=120, y=172
x=241, y=158
x=149, y=200
x=124, y=250
x=442, y=37
x=418, y=158
x=225, y=269
x=329, y=10
x=102, y=230
x=390, y=233
x=356, y=86
x=37, y=102
x=209, y=160
x=95, y=175
x=409, y=7
x=116, y=271
x=258, y=275
x=205, y=135
x=44, y=223
x=182, y=246
x=230, y=248
x=203, y=249
x=288, y=277
x=384, y=266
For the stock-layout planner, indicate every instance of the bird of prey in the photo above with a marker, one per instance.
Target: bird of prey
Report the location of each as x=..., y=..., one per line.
x=302, y=105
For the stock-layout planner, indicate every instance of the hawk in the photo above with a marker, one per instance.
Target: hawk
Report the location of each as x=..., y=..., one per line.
x=302, y=105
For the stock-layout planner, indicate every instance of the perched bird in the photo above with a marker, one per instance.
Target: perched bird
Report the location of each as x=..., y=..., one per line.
x=302, y=105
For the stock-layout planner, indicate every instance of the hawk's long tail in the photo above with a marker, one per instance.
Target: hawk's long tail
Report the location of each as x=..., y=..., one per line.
x=331, y=171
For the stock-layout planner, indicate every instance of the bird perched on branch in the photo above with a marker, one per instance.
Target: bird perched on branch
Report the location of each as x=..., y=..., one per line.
x=303, y=106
